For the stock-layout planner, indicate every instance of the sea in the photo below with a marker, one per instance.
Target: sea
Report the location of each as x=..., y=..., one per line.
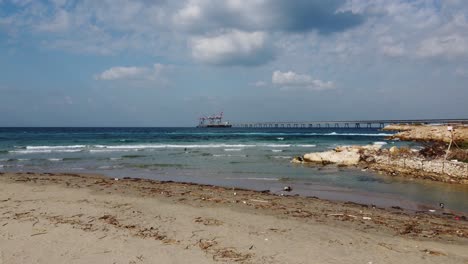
x=251, y=158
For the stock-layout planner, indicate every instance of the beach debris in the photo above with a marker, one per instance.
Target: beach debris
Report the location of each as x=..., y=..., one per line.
x=244, y=202
x=251, y=247
x=208, y=221
x=432, y=210
x=336, y=214
x=235, y=194
x=433, y=252
x=230, y=254
x=40, y=233
x=287, y=188
x=258, y=201
x=366, y=218
x=110, y=219
x=116, y=179
x=441, y=205
x=205, y=244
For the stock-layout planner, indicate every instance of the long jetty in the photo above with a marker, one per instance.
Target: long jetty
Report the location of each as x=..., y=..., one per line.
x=347, y=124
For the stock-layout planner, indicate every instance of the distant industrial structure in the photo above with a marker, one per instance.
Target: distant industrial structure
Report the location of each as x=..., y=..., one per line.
x=215, y=121
x=347, y=124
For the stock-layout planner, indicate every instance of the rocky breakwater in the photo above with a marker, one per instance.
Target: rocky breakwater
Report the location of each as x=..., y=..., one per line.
x=430, y=133
x=394, y=161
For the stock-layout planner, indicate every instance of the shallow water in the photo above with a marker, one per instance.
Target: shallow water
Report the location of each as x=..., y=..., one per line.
x=250, y=158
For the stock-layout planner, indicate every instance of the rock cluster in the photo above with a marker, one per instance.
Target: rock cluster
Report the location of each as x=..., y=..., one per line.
x=401, y=161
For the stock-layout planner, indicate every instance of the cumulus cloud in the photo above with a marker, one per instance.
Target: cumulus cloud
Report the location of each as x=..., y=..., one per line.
x=266, y=15
x=292, y=80
x=131, y=73
x=233, y=48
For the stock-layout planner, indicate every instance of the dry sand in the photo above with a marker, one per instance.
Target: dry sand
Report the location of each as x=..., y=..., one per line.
x=70, y=218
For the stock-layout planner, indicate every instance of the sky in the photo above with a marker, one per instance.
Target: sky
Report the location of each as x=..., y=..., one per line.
x=168, y=62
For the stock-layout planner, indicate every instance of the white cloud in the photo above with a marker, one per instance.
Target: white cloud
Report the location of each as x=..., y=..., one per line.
x=232, y=48
x=292, y=80
x=132, y=73
x=393, y=50
x=450, y=46
x=60, y=23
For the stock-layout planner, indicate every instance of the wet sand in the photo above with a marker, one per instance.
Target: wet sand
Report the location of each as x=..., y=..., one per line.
x=72, y=218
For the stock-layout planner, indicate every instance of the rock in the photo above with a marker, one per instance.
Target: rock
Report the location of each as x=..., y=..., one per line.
x=287, y=189
x=297, y=160
x=393, y=150
x=346, y=156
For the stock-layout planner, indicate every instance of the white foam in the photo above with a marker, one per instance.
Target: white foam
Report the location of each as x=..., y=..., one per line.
x=55, y=147
x=237, y=149
x=306, y=145
x=110, y=150
x=277, y=150
x=380, y=143
x=282, y=157
x=159, y=146
x=30, y=151
x=355, y=134
x=276, y=145
x=280, y=138
x=36, y=151
x=55, y=159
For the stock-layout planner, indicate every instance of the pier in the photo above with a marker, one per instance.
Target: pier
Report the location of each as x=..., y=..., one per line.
x=347, y=124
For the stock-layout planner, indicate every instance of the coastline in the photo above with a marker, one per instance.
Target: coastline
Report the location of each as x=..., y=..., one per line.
x=177, y=218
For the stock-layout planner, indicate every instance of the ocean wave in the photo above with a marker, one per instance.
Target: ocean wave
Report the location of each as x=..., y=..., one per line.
x=282, y=157
x=175, y=146
x=306, y=145
x=275, y=145
x=277, y=150
x=38, y=151
x=354, y=134
x=55, y=159
x=110, y=150
x=281, y=134
x=55, y=147
x=236, y=149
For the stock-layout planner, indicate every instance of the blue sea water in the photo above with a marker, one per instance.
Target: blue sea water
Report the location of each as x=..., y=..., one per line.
x=255, y=158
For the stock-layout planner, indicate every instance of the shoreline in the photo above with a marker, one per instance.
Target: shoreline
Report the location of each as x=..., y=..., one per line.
x=343, y=223
x=303, y=188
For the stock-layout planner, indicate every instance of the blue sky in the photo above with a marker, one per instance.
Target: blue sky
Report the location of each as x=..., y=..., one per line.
x=165, y=63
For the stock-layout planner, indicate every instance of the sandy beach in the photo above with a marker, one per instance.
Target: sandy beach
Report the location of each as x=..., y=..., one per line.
x=72, y=218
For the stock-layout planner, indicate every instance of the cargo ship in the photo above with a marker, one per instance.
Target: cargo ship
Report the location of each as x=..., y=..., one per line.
x=215, y=121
